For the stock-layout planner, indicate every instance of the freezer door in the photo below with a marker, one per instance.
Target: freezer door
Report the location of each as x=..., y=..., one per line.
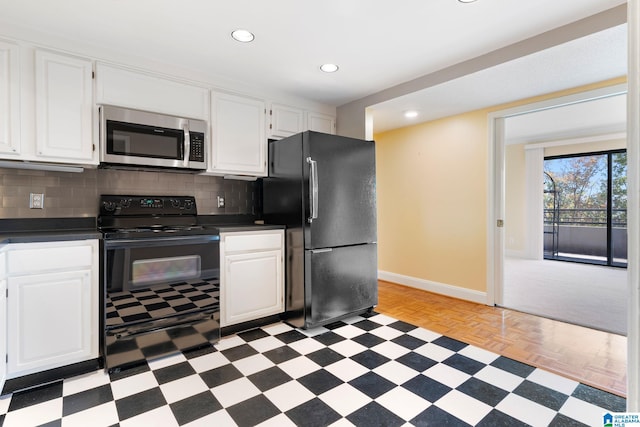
x=338, y=282
x=340, y=191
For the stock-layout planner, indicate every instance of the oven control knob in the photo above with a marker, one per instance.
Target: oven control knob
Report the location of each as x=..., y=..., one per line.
x=175, y=203
x=125, y=203
x=109, y=206
x=188, y=204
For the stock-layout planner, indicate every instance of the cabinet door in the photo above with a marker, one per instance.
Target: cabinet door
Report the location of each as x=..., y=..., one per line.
x=285, y=121
x=64, y=99
x=321, y=123
x=238, y=135
x=253, y=286
x=147, y=92
x=52, y=321
x=9, y=101
x=3, y=329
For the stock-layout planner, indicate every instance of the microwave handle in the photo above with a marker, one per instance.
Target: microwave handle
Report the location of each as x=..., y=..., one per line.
x=187, y=145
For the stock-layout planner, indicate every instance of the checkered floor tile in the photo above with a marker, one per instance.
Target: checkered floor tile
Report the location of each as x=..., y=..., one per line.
x=368, y=370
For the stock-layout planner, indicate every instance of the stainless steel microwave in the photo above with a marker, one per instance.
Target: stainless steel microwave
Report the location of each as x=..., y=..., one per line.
x=134, y=138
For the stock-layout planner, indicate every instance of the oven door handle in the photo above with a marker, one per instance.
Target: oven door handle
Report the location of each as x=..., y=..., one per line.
x=128, y=332
x=163, y=241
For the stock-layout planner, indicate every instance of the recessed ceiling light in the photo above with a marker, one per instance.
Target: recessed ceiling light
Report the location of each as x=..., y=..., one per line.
x=243, y=36
x=410, y=114
x=329, y=68
x=466, y=1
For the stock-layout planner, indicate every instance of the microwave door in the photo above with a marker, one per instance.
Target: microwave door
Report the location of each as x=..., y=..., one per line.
x=141, y=144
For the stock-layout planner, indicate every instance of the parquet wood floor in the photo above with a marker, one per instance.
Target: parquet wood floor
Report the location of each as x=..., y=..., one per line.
x=595, y=358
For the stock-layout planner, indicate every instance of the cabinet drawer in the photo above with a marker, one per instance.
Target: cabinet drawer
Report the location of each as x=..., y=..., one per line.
x=31, y=259
x=252, y=241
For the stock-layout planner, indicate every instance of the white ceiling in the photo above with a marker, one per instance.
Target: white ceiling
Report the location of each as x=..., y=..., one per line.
x=376, y=43
x=596, y=117
x=597, y=57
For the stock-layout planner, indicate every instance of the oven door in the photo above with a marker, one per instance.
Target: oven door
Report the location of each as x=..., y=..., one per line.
x=137, y=264
x=162, y=295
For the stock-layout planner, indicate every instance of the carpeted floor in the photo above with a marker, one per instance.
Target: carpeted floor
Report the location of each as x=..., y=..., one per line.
x=587, y=295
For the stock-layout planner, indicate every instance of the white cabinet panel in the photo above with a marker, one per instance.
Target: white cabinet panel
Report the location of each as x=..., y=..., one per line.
x=252, y=290
x=3, y=331
x=9, y=99
x=64, y=106
x=51, y=321
x=52, y=307
x=252, y=242
x=285, y=121
x=3, y=318
x=251, y=277
x=133, y=89
x=321, y=122
x=238, y=135
x=34, y=259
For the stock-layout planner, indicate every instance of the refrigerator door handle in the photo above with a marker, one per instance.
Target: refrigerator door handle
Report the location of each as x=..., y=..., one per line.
x=313, y=189
x=320, y=251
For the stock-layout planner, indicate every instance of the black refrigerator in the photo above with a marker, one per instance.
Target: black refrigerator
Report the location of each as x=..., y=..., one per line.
x=323, y=188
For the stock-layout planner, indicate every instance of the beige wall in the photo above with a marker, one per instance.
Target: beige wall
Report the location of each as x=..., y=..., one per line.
x=432, y=189
x=515, y=199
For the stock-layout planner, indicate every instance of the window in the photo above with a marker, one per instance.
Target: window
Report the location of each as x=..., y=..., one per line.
x=585, y=208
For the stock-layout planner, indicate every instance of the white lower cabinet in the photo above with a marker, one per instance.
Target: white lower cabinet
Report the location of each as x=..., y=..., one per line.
x=3, y=316
x=251, y=277
x=52, y=308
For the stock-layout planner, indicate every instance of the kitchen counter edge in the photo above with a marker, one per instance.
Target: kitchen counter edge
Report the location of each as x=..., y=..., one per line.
x=248, y=227
x=32, y=230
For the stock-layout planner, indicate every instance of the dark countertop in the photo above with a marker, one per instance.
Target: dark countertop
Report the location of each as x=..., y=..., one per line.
x=233, y=223
x=28, y=230
x=248, y=227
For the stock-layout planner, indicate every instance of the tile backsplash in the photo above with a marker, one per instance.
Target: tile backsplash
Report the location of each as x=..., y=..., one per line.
x=68, y=194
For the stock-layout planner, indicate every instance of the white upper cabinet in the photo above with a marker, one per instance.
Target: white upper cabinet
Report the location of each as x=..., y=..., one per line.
x=144, y=91
x=285, y=121
x=9, y=99
x=238, y=135
x=47, y=115
x=64, y=106
x=321, y=122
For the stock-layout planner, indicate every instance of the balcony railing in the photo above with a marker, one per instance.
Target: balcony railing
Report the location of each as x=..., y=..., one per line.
x=586, y=217
x=582, y=234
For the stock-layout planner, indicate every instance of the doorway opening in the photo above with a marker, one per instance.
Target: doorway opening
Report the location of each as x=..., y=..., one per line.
x=531, y=279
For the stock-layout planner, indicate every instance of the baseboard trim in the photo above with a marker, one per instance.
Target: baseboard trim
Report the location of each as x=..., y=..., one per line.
x=435, y=287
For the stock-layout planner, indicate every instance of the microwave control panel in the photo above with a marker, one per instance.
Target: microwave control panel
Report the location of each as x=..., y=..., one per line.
x=197, y=147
